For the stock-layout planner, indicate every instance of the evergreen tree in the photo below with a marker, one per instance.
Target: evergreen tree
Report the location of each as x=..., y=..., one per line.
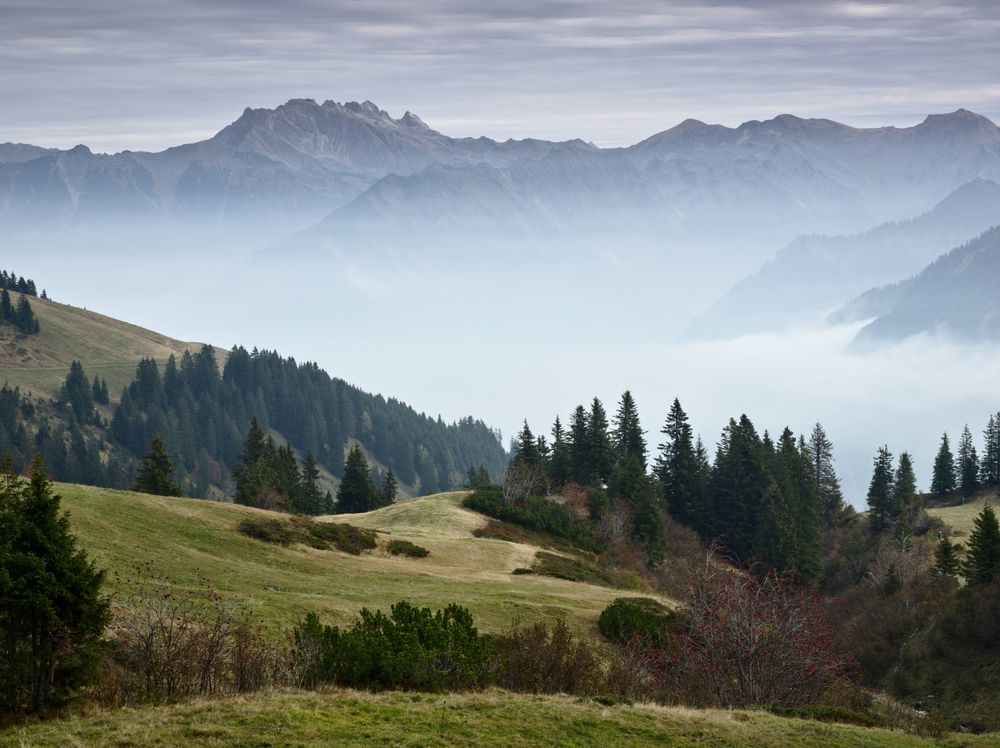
x=600, y=451
x=560, y=464
x=982, y=558
x=989, y=467
x=310, y=499
x=739, y=480
x=526, y=452
x=25, y=317
x=582, y=470
x=946, y=558
x=821, y=454
x=905, y=494
x=389, y=489
x=677, y=467
x=968, y=465
x=155, y=472
x=881, y=507
x=628, y=442
x=7, y=313
x=943, y=482
x=356, y=493
x=52, y=613
x=77, y=393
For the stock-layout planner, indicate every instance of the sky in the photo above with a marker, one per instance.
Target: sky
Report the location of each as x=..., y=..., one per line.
x=144, y=74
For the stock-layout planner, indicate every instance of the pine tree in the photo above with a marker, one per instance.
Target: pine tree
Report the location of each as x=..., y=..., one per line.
x=579, y=447
x=968, y=465
x=821, y=454
x=946, y=558
x=25, y=317
x=628, y=442
x=905, y=495
x=526, y=452
x=739, y=480
x=52, y=613
x=356, y=492
x=982, y=558
x=677, y=467
x=989, y=468
x=560, y=465
x=155, y=472
x=310, y=499
x=600, y=451
x=7, y=313
x=880, y=491
x=389, y=489
x=943, y=482
x=77, y=393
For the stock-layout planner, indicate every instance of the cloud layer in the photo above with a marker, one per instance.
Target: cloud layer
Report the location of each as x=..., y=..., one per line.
x=145, y=74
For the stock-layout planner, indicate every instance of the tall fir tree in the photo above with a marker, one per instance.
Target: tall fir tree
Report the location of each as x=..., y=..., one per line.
x=881, y=507
x=560, y=464
x=982, y=557
x=579, y=447
x=310, y=498
x=968, y=465
x=52, y=612
x=821, y=454
x=905, y=495
x=600, y=451
x=155, y=474
x=989, y=466
x=627, y=439
x=526, y=452
x=356, y=493
x=943, y=481
x=946, y=561
x=387, y=496
x=739, y=480
x=677, y=467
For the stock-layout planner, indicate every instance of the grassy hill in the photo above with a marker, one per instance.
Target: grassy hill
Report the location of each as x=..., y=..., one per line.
x=961, y=516
x=196, y=543
x=350, y=718
x=106, y=347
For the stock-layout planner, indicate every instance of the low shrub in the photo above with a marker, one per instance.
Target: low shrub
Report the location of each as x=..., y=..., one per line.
x=411, y=648
x=534, y=513
x=575, y=570
x=642, y=618
x=543, y=659
x=321, y=535
x=406, y=548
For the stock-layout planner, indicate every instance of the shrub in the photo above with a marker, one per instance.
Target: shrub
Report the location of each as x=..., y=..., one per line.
x=540, y=659
x=575, y=570
x=406, y=548
x=641, y=618
x=321, y=535
x=411, y=648
x=533, y=512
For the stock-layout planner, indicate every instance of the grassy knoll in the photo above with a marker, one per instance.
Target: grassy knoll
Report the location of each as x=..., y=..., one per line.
x=106, y=347
x=961, y=517
x=349, y=718
x=189, y=539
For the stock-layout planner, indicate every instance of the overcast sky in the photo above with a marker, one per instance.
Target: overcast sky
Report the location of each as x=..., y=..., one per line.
x=145, y=74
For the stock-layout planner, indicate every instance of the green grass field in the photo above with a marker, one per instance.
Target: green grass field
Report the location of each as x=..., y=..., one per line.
x=191, y=540
x=962, y=516
x=493, y=718
x=106, y=347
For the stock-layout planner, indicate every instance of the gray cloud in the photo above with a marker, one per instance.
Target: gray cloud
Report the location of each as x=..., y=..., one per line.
x=147, y=74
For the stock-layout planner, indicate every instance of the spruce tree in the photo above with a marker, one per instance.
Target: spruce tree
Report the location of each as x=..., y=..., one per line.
x=946, y=558
x=6, y=308
x=968, y=465
x=156, y=471
x=677, y=467
x=628, y=442
x=52, y=613
x=989, y=467
x=77, y=393
x=905, y=494
x=310, y=498
x=560, y=465
x=25, y=317
x=356, y=493
x=582, y=470
x=526, y=452
x=389, y=489
x=881, y=508
x=982, y=558
x=739, y=480
x=821, y=454
x=943, y=482
x=600, y=451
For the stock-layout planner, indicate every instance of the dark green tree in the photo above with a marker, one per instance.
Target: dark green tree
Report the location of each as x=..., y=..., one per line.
x=882, y=510
x=7, y=313
x=356, y=493
x=943, y=482
x=526, y=452
x=989, y=467
x=982, y=557
x=155, y=474
x=739, y=480
x=560, y=464
x=677, y=467
x=25, y=317
x=52, y=613
x=968, y=465
x=821, y=453
x=77, y=393
x=600, y=451
x=627, y=439
x=310, y=498
x=946, y=558
x=579, y=447
x=905, y=494
x=389, y=489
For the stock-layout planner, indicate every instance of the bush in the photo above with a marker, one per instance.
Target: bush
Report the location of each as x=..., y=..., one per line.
x=575, y=570
x=169, y=643
x=406, y=548
x=534, y=513
x=642, y=618
x=539, y=659
x=321, y=535
x=411, y=648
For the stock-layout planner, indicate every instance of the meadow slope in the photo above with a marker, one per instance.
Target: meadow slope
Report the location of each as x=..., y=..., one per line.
x=196, y=543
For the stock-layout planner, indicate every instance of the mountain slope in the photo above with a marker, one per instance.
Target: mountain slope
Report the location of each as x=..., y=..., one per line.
x=815, y=273
x=955, y=295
